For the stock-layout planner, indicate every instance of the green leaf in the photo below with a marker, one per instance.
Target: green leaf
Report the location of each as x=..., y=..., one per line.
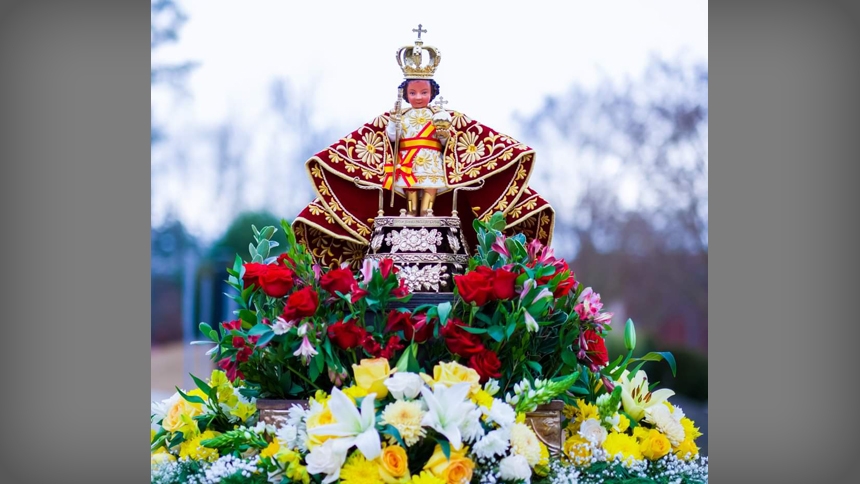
x=497, y=333
x=319, y=360
x=192, y=398
x=259, y=329
x=444, y=310
x=265, y=338
x=392, y=431
x=510, y=328
x=660, y=356
x=248, y=315
x=535, y=366
x=201, y=384
x=472, y=330
x=569, y=358
x=408, y=362
x=446, y=448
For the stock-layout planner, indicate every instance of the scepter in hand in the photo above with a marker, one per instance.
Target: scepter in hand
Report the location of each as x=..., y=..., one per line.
x=395, y=117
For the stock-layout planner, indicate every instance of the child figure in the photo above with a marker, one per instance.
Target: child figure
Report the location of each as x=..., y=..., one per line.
x=421, y=145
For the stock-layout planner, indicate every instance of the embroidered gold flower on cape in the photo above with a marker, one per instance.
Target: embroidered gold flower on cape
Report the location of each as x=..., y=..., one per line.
x=369, y=149
x=469, y=148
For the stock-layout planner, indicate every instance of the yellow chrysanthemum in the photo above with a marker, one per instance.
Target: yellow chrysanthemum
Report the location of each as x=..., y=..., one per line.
x=687, y=450
x=654, y=445
x=192, y=449
x=586, y=411
x=521, y=417
x=577, y=449
x=691, y=432
x=426, y=478
x=358, y=470
x=524, y=442
x=625, y=445
x=542, y=467
x=623, y=423
x=482, y=399
x=569, y=411
x=406, y=417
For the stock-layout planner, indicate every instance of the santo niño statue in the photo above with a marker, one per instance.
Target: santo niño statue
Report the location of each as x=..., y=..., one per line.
x=426, y=162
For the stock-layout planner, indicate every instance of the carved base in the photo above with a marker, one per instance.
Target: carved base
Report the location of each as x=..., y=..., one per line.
x=428, y=251
x=546, y=422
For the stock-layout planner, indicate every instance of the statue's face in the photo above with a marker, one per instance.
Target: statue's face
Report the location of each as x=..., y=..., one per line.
x=418, y=94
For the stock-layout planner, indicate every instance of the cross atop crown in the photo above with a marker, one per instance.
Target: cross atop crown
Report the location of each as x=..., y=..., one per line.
x=411, y=58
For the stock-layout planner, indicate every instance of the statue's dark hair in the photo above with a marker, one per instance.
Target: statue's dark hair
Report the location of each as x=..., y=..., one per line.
x=434, y=88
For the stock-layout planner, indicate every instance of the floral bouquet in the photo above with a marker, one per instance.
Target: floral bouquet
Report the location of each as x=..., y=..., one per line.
x=299, y=324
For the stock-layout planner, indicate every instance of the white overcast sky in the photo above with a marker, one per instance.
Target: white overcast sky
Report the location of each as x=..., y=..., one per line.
x=498, y=57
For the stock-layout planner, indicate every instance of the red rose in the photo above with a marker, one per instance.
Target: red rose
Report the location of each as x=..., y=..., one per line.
x=338, y=280
x=487, y=364
x=238, y=342
x=301, y=304
x=596, y=355
x=253, y=271
x=459, y=341
x=400, y=321
x=391, y=348
x=346, y=335
x=277, y=281
x=503, y=284
x=423, y=329
x=386, y=267
x=475, y=286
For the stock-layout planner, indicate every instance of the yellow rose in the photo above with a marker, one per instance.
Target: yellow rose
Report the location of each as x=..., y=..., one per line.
x=457, y=470
x=452, y=373
x=160, y=457
x=371, y=375
x=687, y=450
x=393, y=465
x=174, y=422
x=317, y=419
x=578, y=450
x=655, y=445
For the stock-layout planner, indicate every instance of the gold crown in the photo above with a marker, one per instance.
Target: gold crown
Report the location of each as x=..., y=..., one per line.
x=410, y=58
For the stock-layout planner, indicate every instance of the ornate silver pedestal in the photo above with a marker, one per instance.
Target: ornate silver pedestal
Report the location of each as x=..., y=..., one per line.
x=428, y=251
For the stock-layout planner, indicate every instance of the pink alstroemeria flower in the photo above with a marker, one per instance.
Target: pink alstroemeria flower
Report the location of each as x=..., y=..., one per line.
x=306, y=351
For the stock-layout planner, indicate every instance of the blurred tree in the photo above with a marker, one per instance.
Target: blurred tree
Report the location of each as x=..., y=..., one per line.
x=239, y=234
x=166, y=18
x=638, y=152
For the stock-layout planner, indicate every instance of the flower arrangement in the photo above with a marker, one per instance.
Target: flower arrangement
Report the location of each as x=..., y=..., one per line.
x=439, y=394
x=392, y=427
x=300, y=325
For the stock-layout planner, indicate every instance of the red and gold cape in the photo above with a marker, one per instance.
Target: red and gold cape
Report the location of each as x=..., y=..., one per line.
x=337, y=224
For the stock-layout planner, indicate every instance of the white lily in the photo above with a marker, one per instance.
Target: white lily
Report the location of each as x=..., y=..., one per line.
x=635, y=395
x=352, y=427
x=447, y=407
